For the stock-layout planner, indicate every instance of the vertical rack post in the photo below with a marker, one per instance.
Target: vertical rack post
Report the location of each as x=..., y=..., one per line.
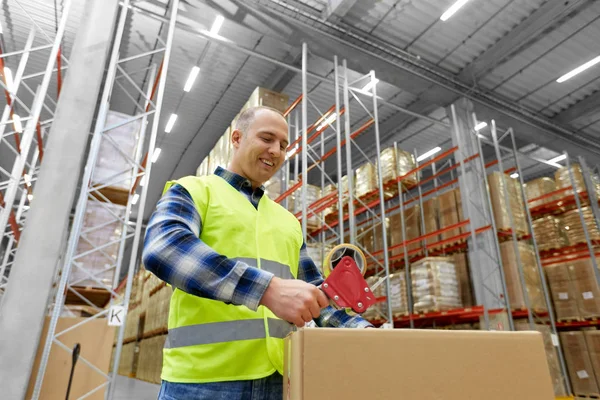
x=338, y=145
x=304, y=134
x=350, y=171
x=421, y=210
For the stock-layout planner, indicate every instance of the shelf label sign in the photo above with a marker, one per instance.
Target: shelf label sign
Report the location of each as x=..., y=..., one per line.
x=554, y=339
x=582, y=374
x=588, y=295
x=116, y=316
x=563, y=296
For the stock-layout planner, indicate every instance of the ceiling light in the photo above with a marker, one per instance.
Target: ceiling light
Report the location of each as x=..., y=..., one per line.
x=327, y=122
x=557, y=159
x=369, y=85
x=170, y=123
x=8, y=79
x=480, y=126
x=135, y=199
x=190, y=80
x=216, y=26
x=429, y=153
x=143, y=180
x=453, y=8
x=156, y=154
x=579, y=69
x=514, y=176
x=29, y=197
x=17, y=123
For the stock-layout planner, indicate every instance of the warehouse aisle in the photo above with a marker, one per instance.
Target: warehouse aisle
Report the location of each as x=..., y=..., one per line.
x=134, y=389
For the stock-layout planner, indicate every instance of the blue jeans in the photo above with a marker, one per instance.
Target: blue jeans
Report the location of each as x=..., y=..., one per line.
x=269, y=388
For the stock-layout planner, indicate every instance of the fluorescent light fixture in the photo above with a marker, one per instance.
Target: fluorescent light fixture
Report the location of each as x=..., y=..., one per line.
x=480, y=126
x=29, y=197
x=453, y=9
x=429, y=153
x=216, y=26
x=369, y=85
x=514, y=176
x=156, y=154
x=190, y=80
x=27, y=179
x=8, y=77
x=170, y=123
x=17, y=123
x=143, y=180
x=328, y=121
x=557, y=159
x=579, y=69
x=135, y=199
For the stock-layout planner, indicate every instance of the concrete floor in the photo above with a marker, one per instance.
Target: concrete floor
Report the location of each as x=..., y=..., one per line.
x=134, y=389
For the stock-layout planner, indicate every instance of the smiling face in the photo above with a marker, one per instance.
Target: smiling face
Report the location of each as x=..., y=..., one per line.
x=260, y=144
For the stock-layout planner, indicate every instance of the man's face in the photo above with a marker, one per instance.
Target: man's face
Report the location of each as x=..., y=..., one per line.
x=261, y=150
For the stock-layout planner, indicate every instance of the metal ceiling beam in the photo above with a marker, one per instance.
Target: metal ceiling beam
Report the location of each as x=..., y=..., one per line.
x=546, y=18
x=580, y=109
x=337, y=8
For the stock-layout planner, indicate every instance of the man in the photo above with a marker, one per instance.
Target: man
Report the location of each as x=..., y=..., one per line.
x=240, y=273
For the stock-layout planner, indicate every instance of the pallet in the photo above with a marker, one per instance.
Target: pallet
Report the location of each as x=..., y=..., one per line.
x=588, y=396
x=97, y=296
x=568, y=320
x=155, y=332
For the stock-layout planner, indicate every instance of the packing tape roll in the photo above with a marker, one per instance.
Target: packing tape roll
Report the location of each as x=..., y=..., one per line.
x=341, y=250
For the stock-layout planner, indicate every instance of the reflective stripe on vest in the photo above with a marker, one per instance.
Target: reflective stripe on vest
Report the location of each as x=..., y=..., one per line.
x=279, y=270
x=228, y=331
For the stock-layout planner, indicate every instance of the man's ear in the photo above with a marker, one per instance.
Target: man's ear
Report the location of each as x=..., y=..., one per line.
x=236, y=138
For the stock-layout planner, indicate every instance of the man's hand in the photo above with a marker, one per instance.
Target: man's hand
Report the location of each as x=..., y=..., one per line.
x=294, y=300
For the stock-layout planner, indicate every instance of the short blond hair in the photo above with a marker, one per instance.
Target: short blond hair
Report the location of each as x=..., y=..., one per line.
x=247, y=116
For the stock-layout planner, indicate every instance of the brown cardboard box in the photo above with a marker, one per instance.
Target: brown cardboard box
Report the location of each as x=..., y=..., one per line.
x=539, y=187
x=551, y=355
x=579, y=363
x=366, y=179
x=461, y=264
x=435, y=285
x=150, y=359
x=449, y=213
x=587, y=293
x=95, y=338
x=268, y=98
x=498, y=187
x=592, y=339
x=411, y=222
x=530, y=274
x=359, y=364
x=550, y=233
x=430, y=219
x=563, y=292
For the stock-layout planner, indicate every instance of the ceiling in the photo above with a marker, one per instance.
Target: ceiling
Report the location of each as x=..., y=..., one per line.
x=505, y=55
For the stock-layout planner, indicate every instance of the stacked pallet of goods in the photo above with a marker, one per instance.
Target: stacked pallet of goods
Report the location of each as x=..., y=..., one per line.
x=399, y=301
x=499, y=186
x=435, y=285
x=582, y=356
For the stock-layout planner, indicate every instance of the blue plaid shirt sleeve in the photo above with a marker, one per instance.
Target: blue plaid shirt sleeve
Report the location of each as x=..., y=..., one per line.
x=174, y=253
x=330, y=317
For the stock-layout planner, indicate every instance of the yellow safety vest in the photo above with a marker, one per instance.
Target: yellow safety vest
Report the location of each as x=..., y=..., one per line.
x=208, y=340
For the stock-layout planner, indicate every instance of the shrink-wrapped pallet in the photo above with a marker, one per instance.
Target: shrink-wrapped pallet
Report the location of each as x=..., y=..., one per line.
x=332, y=210
x=550, y=233
x=579, y=363
x=448, y=203
x=563, y=292
x=398, y=296
x=313, y=193
x=574, y=228
x=461, y=264
x=412, y=227
x=150, y=359
x=132, y=323
x=435, y=285
x=366, y=179
x=157, y=313
x=406, y=163
x=100, y=227
x=537, y=188
x=587, y=292
x=531, y=276
x=563, y=179
x=388, y=161
x=498, y=187
x=551, y=355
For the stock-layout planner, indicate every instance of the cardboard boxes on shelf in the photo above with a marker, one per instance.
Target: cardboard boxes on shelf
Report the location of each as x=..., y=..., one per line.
x=150, y=359
x=157, y=313
x=563, y=180
x=550, y=233
x=579, y=363
x=563, y=292
x=531, y=276
x=435, y=285
x=366, y=179
x=406, y=163
x=498, y=187
x=430, y=219
x=574, y=228
x=412, y=226
x=461, y=265
x=449, y=203
x=539, y=187
x=353, y=364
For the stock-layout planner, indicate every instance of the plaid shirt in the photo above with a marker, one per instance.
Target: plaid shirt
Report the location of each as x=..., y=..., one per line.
x=175, y=254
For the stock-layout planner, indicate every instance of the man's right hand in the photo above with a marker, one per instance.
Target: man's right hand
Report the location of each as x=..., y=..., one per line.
x=294, y=300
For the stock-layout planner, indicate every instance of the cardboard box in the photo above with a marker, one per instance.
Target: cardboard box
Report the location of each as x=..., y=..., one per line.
x=498, y=188
x=587, y=292
x=359, y=364
x=592, y=339
x=579, y=364
x=563, y=292
x=430, y=219
x=461, y=264
x=449, y=213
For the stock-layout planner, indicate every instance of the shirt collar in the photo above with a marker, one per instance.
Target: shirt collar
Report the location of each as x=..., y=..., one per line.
x=235, y=180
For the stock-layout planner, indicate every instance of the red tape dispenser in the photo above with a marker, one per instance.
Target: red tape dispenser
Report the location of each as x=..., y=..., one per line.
x=344, y=284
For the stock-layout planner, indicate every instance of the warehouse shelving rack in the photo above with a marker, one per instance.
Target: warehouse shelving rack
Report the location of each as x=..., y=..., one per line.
x=17, y=185
x=106, y=191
